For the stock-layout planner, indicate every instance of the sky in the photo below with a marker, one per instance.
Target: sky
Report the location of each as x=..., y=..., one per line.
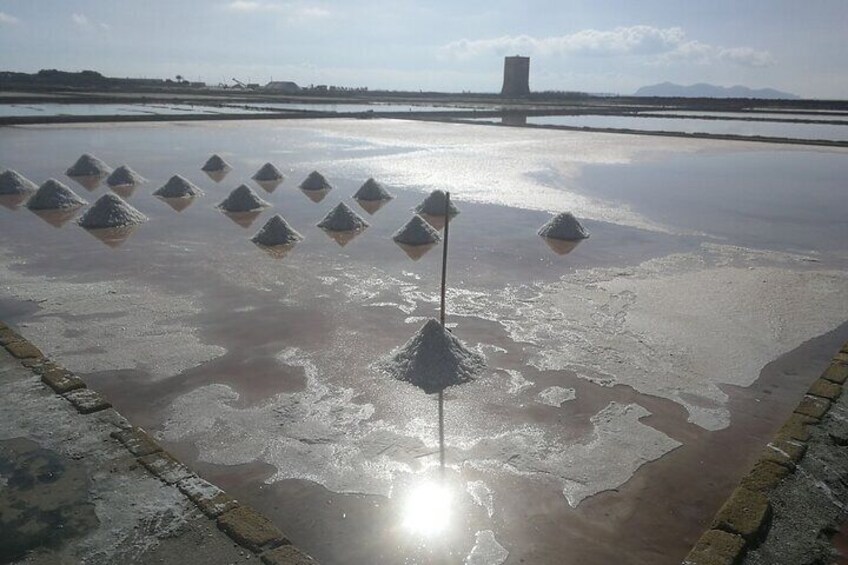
x=596, y=46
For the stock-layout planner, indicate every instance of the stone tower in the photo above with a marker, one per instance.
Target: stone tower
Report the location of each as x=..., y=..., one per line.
x=516, y=76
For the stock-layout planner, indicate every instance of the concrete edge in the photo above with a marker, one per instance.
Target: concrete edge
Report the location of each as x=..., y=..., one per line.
x=745, y=518
x=242, y=524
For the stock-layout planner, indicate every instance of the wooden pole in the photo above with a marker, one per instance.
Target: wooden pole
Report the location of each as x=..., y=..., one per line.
x=442, y=319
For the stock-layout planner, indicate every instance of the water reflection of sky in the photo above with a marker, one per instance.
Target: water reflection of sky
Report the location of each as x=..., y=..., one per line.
x=834, y=132
x=276, y=398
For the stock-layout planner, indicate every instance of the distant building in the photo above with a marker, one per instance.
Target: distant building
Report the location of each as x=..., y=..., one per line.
x=516, y=80
x=284, y=86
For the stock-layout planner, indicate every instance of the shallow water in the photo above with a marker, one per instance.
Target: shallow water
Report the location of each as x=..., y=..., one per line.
x=259, y=371
x=37, y=109
x=832, y=132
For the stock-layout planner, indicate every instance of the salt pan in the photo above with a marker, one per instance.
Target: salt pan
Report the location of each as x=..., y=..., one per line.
x=268, y=172
x=215, y=164
x=111, y=211
x=342, y=218
x=416, y=232
x=276, y=231
x=242, y=199
x=124, y=176
x=372, y=190
x=178, y=187
x=563, y=226
x=434, y=205
x=12, y=182
x=87, y=166
x=315, y=181
x=434, y=359
x=53, y=195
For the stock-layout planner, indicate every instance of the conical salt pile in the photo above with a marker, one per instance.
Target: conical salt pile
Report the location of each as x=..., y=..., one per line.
x=563, y=226
x=242, y=199
x=88, y=166
x=315, y=181
x=178, y=187
x=12, y=182
x=342, y=218
x=124, y=176
x=53, y=195
x=276, y=231
x=268, y=172
x=434, y=205
x=416, y=232
x=214, y=164
x=372, y=190
x=111, y=211
x=433, y=360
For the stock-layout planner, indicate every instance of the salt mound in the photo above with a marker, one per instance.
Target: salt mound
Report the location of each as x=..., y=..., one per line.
x=214, y=164
x=434, y=359
x=242, y=199
x=178, y=187
x=12, y=182
x=372, y=190
x=342, y=218
x=123, y=176
x=416, y=232
x=315, y=181
x=88, y=166
x=268, y=172
x=276, y=231
x=111, y=211
x=563, y=226
x=53, y=195
x=434, y=205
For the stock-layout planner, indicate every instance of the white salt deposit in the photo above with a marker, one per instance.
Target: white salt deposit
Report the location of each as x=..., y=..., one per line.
x=372, y=190
x=342, y=218
x=315, y=181
x=111, y=211
x=434, y=205
x=556, y=395
x=12, y=182
x=88, y=165
x=53, y=195
x=215, y=164
x=268, y=172
x=416, y=232
x=124, y=176
x=242, y=199
x=563, y=226
x=434, y=359
x=276, y=231
x=178, y=187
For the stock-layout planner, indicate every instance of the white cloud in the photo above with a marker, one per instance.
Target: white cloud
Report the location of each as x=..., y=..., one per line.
x=663, y=44
x=8, y=19
x=80, y=20
x=747, y=56
x=292, y=10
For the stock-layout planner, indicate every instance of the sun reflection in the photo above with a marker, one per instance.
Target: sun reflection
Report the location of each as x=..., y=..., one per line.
x=426, y=510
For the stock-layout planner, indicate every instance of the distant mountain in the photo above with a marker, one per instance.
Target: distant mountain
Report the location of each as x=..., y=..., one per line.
x=703, y=90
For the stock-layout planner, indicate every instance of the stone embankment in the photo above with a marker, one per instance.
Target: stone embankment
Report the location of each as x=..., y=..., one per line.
x=789, y=506
x=253, y=533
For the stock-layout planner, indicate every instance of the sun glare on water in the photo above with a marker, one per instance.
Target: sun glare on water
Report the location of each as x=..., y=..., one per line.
x=426, y=510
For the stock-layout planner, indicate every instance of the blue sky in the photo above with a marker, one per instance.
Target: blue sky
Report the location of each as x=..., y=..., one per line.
x=595, y=46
